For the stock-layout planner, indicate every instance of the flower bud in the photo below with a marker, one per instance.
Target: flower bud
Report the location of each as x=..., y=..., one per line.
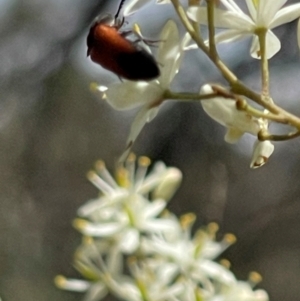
x=262, y=150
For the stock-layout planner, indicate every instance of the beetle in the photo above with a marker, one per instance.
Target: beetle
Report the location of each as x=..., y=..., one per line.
x=111, y=48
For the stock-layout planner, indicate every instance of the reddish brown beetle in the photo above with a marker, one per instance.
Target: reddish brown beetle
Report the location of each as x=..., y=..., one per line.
x=109, y=47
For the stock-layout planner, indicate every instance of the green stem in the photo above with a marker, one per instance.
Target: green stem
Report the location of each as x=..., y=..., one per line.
x=261, y=33
x=188, y=96
x=242, y=105
x=211, y=29
x=271, y=137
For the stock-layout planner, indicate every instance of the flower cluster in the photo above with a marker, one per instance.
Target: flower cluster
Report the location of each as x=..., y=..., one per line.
x=233, y=24
x=135, y=249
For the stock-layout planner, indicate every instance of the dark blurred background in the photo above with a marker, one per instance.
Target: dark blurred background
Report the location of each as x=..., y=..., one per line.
x=52, y=129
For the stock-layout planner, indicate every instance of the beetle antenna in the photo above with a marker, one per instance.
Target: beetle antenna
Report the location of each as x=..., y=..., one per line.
x=119, y=9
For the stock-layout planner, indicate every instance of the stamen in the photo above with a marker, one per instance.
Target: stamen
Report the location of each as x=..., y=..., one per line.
x=60, y=281
x=130, y=166
x=103, y=186
x=187, y=220
x=229, y=239
x=122, y=176
x=254, y=278
x=225, y=263
x=104, y=173
x=79, y=223
x=212, y=229
x=143, y=164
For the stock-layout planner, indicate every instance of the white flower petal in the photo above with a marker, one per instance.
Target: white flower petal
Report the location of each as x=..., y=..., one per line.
x=167, y=272
x=168, y=53
x=191, y=46
x=231, y=6
x=158, y=178
x=114, y=260
x=186, y=40
x=168, y=184
x=260, y=295
x=286, y=15
x=143, y=116
x=130, y=241
x=100, y=230
x=154, y=208
x=252, y=9
x=96, y=292
x=223, y=18
x=230, y=35
x=262, y=150
x=72, y=284
x=224, y=111
x=273, y=45
x=127, y=291
x=89, y=207
x=266, y=11
x=217, y=271
x=134, y=5
x=233, y=135
x=159, y=225
x=242, y=291
x=128, y=95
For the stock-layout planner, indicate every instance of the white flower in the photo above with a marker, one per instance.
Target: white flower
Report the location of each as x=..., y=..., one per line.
x=166, y=262
x=134, y=215
x=94, y=291
x=124, y=212
x=224, y=111
x=87, y=257
x=264, y=14
x=148, y=95
x=262, y=150
x=103, y=276
x=156, y=281
x=191, y=257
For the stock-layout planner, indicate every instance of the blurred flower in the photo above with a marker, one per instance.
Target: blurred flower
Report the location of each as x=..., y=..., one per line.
x=264, y=14
x=262, y=150
x=102, y=277
x=147, y=95
x=191, y=257
x=164, y=263
x=155, y=281
x=124, y=211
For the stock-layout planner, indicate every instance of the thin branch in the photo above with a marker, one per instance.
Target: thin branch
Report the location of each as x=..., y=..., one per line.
x=242, y=105
x=265, y=136
x=188, y=96
x=211, y=29
x=261, y=33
